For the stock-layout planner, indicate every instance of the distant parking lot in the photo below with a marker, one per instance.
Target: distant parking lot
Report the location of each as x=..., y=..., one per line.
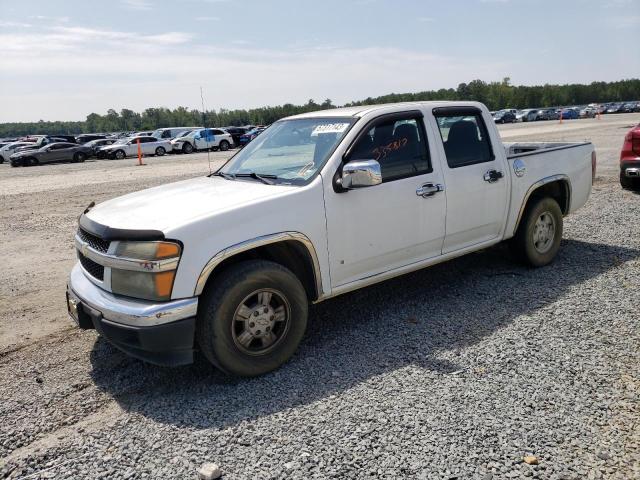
x=457, y=371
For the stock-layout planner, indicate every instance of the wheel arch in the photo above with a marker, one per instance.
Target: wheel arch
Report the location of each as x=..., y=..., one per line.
x=557, y=187
x=293, y=250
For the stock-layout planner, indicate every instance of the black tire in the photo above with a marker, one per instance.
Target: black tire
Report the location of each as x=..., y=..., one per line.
x=119, y=155
x=524, y=245
x=33, y=162
x=26, y=162
x=217, y=321
x=187, y=148
x=160, y=151
x=1, y=159
x=79, y=157
x=629, y=183
x=223, y=145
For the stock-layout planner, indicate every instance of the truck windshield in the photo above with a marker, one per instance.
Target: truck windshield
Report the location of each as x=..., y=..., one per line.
x=290, y=151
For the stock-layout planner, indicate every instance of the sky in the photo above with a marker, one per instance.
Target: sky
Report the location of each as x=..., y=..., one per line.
x=61, y=60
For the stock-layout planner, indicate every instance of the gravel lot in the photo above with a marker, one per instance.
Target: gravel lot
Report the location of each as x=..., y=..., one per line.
x=457, y=371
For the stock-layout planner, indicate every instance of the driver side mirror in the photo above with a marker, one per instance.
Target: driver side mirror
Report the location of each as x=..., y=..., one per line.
x=360, y=174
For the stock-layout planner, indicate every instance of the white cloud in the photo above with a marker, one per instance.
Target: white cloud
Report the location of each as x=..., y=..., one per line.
x=137, y=4
x=14, y=25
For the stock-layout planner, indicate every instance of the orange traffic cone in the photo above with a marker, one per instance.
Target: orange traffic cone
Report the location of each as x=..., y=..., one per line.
x=139, y=153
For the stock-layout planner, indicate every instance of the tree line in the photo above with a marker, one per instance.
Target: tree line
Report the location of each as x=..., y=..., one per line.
x=495, y=95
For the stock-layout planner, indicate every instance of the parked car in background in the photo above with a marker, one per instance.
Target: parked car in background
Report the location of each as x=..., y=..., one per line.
x=528, y=115
x=588, y=112
x=504, y=116
x=54, y=152
x=630, y=159
x=203, y=139
x=127, y=147
x=548, y=114
x=9, y=149
x=629, y=107
x=97, y=145
x=250, y=135
x=568, y=114
x=616, y=108
x=170, y=133
x=34, y=143
x=236, y=133
x=88, y=137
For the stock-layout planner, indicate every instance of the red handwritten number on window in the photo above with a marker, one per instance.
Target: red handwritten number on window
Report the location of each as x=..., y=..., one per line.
x=384, y=150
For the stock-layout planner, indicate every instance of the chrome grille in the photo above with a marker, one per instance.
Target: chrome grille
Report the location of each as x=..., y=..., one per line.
x=91, y=267
x=94, y=242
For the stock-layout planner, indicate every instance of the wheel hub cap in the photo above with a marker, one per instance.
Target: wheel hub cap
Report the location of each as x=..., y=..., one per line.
x=544, y=232
x=260, y=321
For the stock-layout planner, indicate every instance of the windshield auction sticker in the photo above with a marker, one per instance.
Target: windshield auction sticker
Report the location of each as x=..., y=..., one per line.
x=330, y=128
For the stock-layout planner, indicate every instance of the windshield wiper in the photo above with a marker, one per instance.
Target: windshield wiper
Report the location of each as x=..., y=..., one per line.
x=226, y=176
x=263, y=177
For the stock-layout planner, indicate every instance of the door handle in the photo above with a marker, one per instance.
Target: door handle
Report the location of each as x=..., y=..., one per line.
x=429, y=189
x=492, y=176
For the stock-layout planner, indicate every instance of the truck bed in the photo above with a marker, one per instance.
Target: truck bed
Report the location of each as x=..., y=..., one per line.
x=544, y=162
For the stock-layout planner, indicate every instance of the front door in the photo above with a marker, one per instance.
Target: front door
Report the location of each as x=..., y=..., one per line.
x=387, y=226
x=477, y=189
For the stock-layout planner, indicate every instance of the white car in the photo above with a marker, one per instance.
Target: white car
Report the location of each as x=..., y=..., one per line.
x=318, y=205
x=203, y=139
x=127, y=147
x=8, y=150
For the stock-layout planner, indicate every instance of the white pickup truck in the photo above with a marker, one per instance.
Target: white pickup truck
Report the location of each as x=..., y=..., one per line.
x=318, y=205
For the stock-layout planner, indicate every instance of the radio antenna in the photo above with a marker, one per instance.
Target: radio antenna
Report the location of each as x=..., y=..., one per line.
x=204, y=124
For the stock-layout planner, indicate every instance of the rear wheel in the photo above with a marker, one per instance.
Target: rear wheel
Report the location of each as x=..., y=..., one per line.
x=224, y=145
x=252, y=318
x=79, y=157
x=160, y=151
x=537, y=240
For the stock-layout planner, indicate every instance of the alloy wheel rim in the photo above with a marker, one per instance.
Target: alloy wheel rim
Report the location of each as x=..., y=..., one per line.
x=544, y=232
x=261, y=321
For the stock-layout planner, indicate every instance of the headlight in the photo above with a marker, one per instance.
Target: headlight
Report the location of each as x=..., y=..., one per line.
x=153, y=268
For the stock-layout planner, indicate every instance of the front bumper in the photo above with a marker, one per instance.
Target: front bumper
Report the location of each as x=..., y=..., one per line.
x=161, y=333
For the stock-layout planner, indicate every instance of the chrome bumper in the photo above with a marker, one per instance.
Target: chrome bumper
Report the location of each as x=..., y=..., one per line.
x=633, y=172
x=128, y=311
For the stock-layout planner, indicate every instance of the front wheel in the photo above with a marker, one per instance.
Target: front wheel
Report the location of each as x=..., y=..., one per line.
x=79, y=157
x=120, y=154
x=160, y=151
x=252, y=318
x=537, y=240
x=224, y=146
x=187, y=148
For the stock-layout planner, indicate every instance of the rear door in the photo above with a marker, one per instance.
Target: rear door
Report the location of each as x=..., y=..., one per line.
x=477, y=185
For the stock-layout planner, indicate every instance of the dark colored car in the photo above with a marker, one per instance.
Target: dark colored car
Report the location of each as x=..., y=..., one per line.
x=54, y=152
x=88, y=137
x=504, y=117
x=96, y=146
x=616, y=108
x=236, y=133
x=247, y=137
x=569, y=114
x=548, y=114
x=630, y=159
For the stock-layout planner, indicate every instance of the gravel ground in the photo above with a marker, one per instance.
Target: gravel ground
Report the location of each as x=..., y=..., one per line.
x=457, y=371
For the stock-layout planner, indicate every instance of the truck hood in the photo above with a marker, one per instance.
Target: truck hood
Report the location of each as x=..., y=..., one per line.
x=169, y=206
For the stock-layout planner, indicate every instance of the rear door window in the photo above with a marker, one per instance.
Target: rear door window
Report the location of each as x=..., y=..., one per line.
x=465, y=139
